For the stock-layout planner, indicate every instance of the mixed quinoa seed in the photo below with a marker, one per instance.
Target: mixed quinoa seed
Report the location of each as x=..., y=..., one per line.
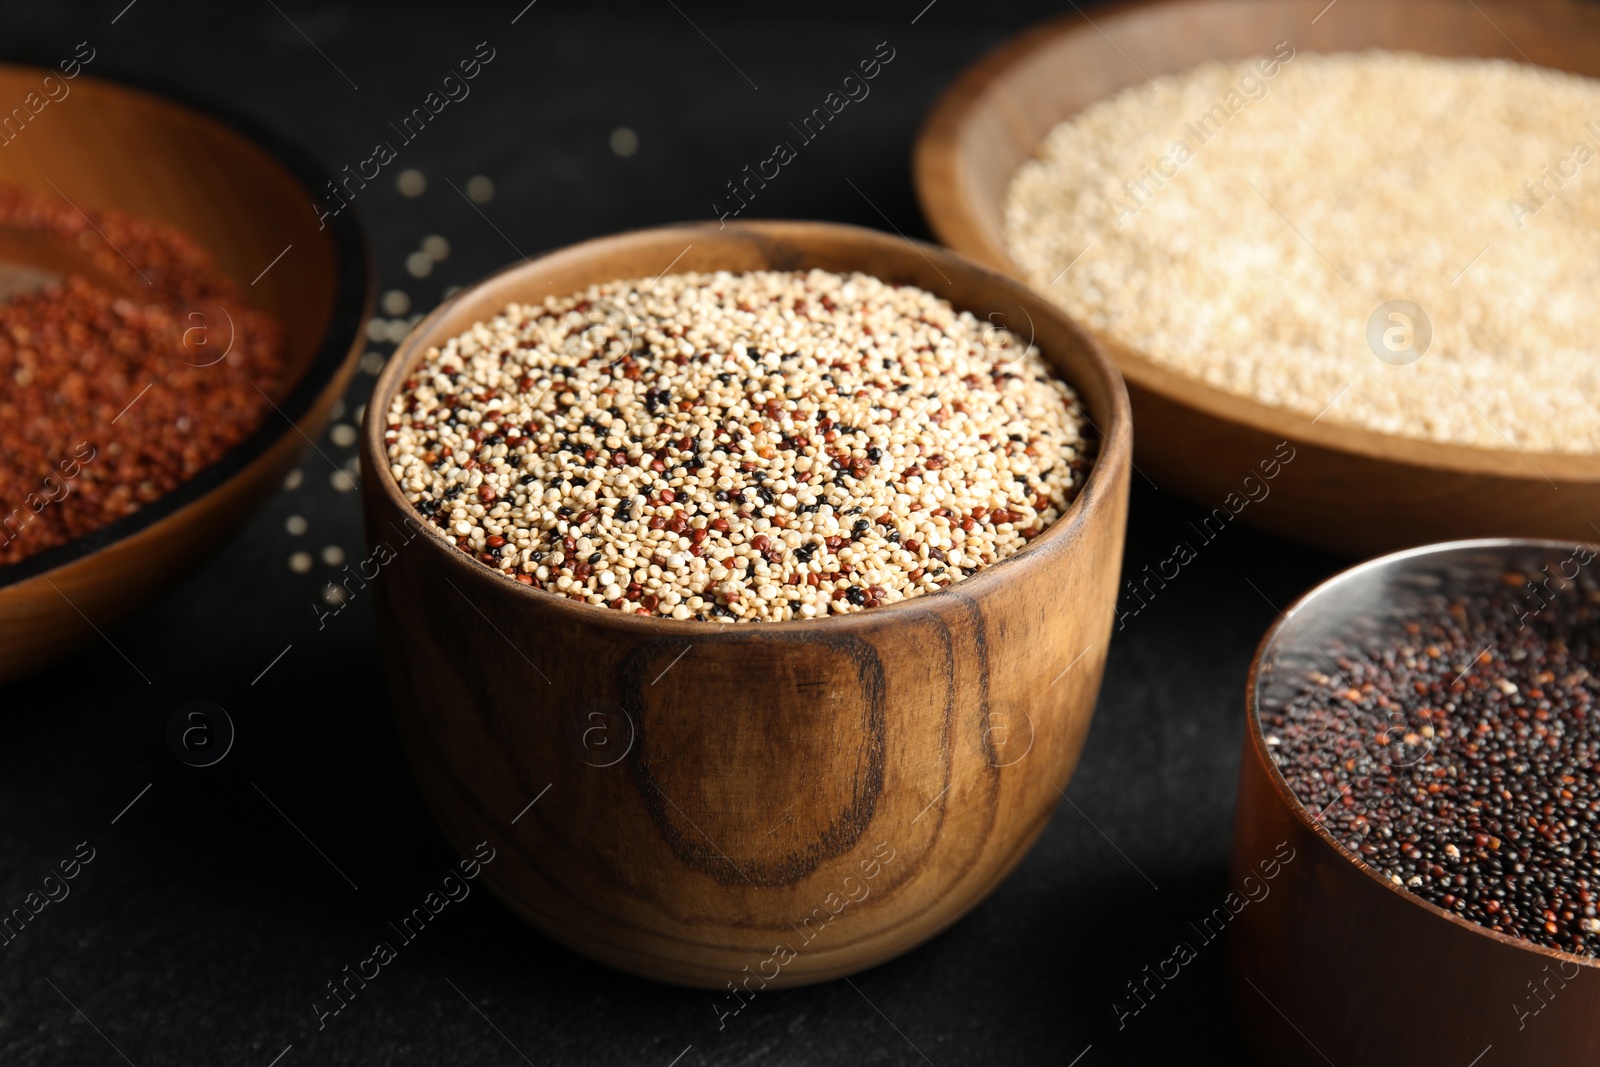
x=738, y=447
x=1463, y=762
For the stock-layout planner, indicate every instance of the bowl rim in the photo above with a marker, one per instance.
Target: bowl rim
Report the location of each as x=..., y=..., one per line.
x=355, y=296
x=947, y=209
x=1113, y=440
x=1286, y=795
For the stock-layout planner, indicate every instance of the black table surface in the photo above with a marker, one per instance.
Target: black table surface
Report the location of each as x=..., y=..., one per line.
x=221, y=899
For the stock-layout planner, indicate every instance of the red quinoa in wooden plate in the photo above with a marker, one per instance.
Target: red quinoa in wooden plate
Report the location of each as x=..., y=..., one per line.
x=110, y=401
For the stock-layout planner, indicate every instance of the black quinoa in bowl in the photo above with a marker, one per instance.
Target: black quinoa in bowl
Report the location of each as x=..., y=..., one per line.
x=1456, y=750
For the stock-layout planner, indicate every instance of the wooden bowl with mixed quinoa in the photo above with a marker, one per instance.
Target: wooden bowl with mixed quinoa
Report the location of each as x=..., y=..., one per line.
x=175, y=327
x=1356, y=234
x=745, y=586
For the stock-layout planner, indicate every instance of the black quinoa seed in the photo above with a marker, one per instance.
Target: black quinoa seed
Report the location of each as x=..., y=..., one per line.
x=1462, y=762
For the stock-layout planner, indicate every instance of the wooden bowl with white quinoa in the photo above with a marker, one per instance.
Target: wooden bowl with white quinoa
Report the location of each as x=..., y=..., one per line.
x=1357, y=234
x=760, y=600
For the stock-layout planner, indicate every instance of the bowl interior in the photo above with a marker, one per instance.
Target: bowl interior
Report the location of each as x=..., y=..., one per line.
x=749, y=246
x=993, y=118
x=1367, y=607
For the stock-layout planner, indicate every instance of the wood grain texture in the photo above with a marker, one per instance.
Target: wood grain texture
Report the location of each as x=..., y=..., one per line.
x=1360, y=973
x=706, y=793
x=244, y=199
x=1349, y=490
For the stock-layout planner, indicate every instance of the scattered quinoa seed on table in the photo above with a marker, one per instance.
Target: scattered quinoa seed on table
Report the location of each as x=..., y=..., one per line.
x=738, y=447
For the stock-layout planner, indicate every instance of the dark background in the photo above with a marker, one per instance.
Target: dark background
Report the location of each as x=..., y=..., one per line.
x=207, y=924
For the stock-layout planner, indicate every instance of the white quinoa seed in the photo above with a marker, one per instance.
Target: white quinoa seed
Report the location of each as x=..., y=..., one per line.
x=412, y=183
x=738, y=447
x=419, y=265
x=1397, y=170
x=437, y=248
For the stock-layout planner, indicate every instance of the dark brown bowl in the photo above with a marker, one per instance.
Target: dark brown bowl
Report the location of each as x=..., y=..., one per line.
x=1335, y=963
x=758, y=804
x=243, y=195
x=1350, y=490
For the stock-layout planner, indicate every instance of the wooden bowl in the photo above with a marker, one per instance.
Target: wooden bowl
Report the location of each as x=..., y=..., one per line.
x=704, y=797
x=245, y=196
x=1348, y=490
x=1333, y=959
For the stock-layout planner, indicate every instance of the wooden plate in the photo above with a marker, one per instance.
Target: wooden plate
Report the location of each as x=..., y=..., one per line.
x=244, y=195
x=1347, y=489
